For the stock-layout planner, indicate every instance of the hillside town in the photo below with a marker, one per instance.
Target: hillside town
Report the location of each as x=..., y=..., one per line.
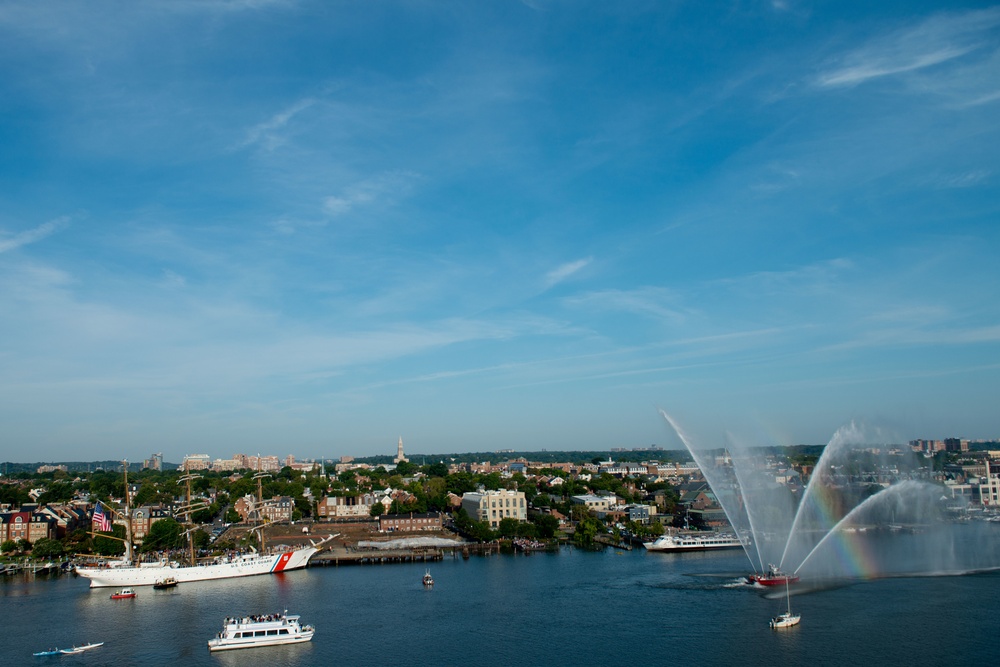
x=50, y=513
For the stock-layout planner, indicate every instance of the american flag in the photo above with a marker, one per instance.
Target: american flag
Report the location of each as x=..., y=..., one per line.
x=101, y=521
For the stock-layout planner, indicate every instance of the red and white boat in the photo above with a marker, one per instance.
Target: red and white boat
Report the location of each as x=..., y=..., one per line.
x=774, y=577
x=123, y=594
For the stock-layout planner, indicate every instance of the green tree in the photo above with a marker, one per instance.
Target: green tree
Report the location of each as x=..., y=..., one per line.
x=107, y=547
x=508, y=527
x=163, y=535
x=405, y=468
x=60, y=492
x=8, y=546
x=377, y=509
x=546, y=524
x=586, y=530
x=47, y=548
x=436, y=470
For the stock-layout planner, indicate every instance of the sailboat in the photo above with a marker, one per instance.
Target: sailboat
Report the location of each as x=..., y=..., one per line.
x=128, y=572
x=786, y=619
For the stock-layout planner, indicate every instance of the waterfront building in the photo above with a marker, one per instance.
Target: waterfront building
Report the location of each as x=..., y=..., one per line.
x=594, y=502
x=345, y=507
x=989, y=486
x=27, y=525
x=144, y=517
x=494, y=506
x=410, y=522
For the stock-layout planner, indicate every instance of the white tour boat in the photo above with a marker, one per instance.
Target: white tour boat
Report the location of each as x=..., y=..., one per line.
x=261, y=630
x=694, y=541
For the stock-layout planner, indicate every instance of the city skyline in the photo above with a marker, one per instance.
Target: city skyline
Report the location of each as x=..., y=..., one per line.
x=306, y=226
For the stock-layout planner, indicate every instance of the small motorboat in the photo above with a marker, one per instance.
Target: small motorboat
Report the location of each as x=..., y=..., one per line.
x=169, y=582
x=428, y=579
x=123, y=594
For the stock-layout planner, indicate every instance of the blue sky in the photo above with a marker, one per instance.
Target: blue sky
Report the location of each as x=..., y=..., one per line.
x=311, y=228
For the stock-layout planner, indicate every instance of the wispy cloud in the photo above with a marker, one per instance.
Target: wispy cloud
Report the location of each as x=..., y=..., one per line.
x=386, y=186
x=937, y=40
x=264, y=133
x=32, y=235
x=564, y=271
x=656, y=302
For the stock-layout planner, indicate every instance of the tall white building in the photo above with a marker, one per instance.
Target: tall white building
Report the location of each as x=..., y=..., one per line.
x=492, y=506
x=399, y=453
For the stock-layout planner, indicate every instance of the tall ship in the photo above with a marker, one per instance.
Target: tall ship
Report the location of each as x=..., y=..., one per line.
x=694, y=541
x=127, y=572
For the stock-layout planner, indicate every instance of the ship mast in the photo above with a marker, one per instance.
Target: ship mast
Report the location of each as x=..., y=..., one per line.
x=187, y=510
x=260, y=506
x=129, y=553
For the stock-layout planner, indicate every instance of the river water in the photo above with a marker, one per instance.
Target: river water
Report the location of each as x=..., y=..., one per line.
x=569, y=607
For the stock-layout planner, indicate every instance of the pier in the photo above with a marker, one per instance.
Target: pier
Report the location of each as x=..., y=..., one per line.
x=367, y=556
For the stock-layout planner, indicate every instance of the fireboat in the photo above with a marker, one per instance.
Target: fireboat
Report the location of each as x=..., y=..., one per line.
x=773, y=577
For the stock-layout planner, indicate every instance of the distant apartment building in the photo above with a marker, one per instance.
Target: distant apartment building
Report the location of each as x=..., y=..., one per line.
x=956, y=445
x=196, y=462
x=48, y=468
x=494, y=506
x=154, y=462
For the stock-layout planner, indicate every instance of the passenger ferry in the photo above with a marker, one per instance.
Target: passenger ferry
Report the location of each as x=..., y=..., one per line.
x=694, y=541
x=261, y=630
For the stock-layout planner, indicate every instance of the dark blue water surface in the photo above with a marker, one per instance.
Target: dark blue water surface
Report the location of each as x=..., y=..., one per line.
x=566, y=608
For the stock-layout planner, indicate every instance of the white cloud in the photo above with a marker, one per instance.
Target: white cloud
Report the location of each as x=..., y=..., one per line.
x=650, y=301
x=385, y=187
x=265, y=132
x=32, y=235
x=564, y=271
x=937, y=40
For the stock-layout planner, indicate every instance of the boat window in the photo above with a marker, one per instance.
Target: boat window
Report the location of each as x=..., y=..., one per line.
x=283, y=631
x=260, y=633
x=271, y=633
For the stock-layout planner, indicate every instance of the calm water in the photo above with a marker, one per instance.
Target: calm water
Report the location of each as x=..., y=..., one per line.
x=566, y=608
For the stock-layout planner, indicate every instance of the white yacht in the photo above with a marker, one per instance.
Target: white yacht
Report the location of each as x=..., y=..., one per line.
x=261, y=630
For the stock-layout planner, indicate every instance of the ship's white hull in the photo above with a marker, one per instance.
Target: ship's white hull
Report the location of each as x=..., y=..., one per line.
x=148, y=574
x=230, y=644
